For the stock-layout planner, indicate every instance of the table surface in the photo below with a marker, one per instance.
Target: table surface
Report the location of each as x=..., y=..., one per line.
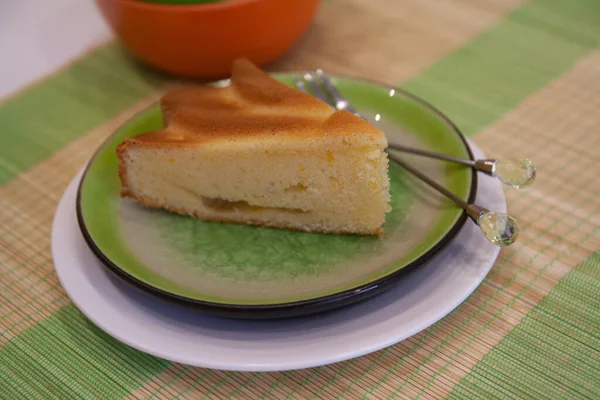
x=521, y=78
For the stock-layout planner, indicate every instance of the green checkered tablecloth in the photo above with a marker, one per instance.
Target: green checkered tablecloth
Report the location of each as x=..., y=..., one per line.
x=517, y=77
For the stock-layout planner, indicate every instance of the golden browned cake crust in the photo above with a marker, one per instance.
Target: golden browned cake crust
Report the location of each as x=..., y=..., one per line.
x=254, y=105
x=259, y=152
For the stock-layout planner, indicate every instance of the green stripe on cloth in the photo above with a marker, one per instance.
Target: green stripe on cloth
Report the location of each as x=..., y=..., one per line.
x=536, y=43
x=475, y=86
x=47, y=116
x=65, y=356
x=554, y=352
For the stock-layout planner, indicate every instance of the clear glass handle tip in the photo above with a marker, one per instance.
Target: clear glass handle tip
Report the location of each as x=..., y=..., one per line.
x=499, y=228
x=515, y=172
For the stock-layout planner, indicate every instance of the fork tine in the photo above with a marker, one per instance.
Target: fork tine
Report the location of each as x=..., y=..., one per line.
x=300, y=85
x=340, y=103
x=316, y=89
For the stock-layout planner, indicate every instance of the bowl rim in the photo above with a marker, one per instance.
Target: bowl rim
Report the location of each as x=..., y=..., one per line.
x=215, y=6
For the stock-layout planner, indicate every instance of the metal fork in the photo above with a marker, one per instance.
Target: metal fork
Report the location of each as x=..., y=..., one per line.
x=515, y=172
x=499, y=228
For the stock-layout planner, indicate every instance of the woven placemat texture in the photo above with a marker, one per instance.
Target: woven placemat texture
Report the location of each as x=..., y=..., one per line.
x=520, y=78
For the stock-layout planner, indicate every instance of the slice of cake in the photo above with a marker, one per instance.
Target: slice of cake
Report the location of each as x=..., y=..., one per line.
x=259, y=152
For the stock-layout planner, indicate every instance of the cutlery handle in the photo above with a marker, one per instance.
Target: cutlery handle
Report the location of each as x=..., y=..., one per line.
x=460, y=202
x=431, y=154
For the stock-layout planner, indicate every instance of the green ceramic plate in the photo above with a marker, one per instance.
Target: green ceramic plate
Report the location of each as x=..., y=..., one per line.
x=246, y=271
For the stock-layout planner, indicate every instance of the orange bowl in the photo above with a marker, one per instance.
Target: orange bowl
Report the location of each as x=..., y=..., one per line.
x=202, y=40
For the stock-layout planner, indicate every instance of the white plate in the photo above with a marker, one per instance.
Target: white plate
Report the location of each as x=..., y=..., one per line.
x=183, y=335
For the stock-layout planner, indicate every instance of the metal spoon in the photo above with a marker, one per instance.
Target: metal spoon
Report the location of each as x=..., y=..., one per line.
x=515, y=172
